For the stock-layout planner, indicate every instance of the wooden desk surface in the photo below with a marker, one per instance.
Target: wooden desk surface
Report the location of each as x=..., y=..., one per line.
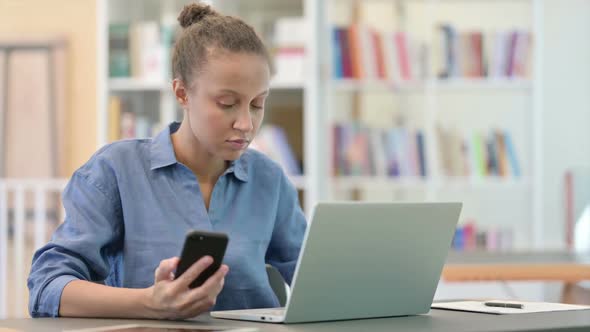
x=540, y=266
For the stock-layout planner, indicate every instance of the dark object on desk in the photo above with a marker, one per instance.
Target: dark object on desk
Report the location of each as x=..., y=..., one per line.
x=199, y=244
x=504, y=305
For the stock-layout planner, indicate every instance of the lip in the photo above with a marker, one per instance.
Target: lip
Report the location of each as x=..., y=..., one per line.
x=238, y=144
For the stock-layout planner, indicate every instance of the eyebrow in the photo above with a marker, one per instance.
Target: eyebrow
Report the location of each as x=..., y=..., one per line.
x=265, y=92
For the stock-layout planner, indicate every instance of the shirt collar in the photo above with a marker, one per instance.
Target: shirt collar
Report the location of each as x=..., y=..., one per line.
x=162, y=154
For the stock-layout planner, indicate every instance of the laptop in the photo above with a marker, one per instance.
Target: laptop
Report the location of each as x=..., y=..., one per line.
x=365, y=260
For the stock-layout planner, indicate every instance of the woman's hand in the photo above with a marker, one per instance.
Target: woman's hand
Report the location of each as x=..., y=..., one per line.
x=173, y=299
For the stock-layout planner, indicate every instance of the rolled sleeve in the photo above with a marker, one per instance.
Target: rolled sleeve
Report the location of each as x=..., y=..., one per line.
x=289, y=229
x=80, y=248
x=48, y=303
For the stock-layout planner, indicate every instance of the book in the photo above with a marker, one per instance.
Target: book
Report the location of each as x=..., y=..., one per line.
x=421, y=153
x=401, y=43
x=478, y=154
x=146, y=51
x=290, y=31
x=119, y=62
x=337, y=52
x=362, y=150
x=290, y=64
x=128, y=125
x=364, y=53
x=272, y=141
x=475, y=54
x=512, y=155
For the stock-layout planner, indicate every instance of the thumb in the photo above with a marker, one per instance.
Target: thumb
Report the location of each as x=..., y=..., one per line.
x=165, y=269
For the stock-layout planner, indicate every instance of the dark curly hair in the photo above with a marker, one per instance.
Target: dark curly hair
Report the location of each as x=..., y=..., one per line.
x=204, y=31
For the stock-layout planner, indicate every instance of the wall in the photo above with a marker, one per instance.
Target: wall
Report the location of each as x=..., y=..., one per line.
x=74, y=20
x=566, y=104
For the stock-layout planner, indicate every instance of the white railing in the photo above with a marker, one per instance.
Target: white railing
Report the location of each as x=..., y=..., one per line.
x=15, y=196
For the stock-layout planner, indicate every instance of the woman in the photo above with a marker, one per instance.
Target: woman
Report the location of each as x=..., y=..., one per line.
x=129, y=207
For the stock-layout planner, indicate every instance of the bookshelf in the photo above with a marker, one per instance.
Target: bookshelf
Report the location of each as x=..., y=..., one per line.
x=309, y=102
x=499, y=99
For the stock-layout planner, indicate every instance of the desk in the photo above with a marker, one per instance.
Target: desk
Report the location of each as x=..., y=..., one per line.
x=544, y=266
x=540, y=266
x=437, y=320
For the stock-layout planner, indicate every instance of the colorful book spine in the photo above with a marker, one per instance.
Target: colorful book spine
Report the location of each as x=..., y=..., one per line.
x=337, y=52
x=512, y=156
x=474, y=54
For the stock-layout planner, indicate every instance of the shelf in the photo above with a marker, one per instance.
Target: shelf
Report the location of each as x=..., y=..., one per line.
x=454, y=84
x=491, y=84
x=299, y=181
x=487, y=182
x=359, y=182
x=375, y=85
x=135, y=84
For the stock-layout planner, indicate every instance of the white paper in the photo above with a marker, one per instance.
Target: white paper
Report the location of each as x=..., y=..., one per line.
x=528, y=307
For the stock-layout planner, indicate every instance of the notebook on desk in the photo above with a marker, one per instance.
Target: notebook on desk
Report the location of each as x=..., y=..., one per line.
x=523, y=307
x=365, y=260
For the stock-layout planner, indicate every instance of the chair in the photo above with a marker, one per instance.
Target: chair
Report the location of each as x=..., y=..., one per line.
x=278, y=285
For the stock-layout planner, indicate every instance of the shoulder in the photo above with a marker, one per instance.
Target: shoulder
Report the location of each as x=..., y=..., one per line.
x=114, y=160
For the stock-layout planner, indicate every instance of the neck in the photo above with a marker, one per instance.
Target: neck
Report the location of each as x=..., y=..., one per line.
x=191, y=153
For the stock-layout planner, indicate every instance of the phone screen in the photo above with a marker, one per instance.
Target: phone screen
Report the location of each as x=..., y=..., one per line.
x=198, y=244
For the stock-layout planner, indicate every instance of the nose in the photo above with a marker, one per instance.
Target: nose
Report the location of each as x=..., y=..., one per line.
x=243, y=121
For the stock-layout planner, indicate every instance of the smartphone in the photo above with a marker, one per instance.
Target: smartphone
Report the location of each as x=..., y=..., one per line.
x=198, y=244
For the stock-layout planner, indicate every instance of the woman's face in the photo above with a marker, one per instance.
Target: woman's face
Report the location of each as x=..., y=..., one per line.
x=225, y=102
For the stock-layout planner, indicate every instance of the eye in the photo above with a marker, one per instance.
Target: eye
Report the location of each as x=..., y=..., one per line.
x=257, y=107
x=257, y=104
x=225, y=106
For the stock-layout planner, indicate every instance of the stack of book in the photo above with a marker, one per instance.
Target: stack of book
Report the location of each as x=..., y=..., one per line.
x=363, y=53
x=469, y=238
x=272, y=141
x=140, y=50
x=289, y=39
x=395, y=152
x=478, y=155
x=475, y=54
x=125, y=124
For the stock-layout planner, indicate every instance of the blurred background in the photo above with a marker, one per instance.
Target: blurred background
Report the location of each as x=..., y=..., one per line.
x=481, y=101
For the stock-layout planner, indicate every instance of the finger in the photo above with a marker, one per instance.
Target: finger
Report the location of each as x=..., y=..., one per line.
x=194, y=271
x=204, y=304
x=213, y=285
x=217, y=277
x=173, y=266
x=198, y=308
x=165, y=269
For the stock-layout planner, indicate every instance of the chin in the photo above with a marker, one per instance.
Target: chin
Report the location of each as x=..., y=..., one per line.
x=233, y=155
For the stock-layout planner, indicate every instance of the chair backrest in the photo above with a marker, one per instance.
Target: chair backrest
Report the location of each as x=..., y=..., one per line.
x=277, y=283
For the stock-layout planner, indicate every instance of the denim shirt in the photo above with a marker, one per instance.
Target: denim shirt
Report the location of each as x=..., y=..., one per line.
x=131, y=205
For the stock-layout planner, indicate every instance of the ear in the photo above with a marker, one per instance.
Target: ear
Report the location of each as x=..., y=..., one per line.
x=180, y=92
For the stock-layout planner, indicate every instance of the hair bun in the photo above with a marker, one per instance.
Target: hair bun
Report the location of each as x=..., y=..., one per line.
x=193, y=13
